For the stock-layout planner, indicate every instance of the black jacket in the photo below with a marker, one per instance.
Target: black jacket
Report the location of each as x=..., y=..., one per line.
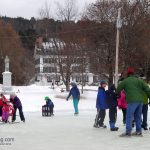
x=111, y=97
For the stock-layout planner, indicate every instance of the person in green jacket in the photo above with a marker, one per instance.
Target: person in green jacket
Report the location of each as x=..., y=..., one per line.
x=134, y=88
x=145, y=106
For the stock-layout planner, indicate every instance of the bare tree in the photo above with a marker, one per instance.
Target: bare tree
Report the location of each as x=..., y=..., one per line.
x=134, y=32
x=45, y=12
x=45, y=16
x=65, y=44
x=70, y=56
x=68, y=11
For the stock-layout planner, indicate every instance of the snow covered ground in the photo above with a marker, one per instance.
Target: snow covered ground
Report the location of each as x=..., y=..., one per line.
x=64, y=131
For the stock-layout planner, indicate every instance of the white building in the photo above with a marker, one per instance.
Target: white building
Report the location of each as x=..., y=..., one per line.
x=49, y=61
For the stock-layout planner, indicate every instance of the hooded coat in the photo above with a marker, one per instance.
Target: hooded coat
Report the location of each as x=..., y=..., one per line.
x=49, y=103
x=74, y=92
x=111, y=97
x=101, y=99
x=16, y=101
x=122, y=103
x=134, y=89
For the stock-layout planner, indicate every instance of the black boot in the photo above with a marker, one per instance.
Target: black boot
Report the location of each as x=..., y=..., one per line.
x=114, y=129
x=144, y=127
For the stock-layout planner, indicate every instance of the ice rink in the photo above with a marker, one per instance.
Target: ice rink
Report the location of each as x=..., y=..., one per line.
x=64, y=131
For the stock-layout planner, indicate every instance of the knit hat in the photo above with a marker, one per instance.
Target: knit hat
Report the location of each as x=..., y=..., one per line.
x=13, y=95
x=73, y=84
x=130, y=71
x=47, y=98
x=103, y=82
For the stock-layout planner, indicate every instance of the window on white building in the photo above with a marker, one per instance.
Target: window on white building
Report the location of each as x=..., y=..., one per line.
x=49, y=70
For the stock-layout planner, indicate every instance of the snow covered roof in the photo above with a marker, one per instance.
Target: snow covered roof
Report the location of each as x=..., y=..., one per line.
x=53, y=43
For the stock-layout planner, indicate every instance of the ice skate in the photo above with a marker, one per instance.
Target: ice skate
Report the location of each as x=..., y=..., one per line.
x=102, y=126
x=139, y=134
x=125, y=135
x=114, y=129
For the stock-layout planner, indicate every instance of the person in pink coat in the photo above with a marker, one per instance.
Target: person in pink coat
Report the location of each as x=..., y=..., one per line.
x=122, y=104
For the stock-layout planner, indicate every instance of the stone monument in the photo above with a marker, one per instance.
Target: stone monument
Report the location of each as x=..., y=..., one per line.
x=7, y=87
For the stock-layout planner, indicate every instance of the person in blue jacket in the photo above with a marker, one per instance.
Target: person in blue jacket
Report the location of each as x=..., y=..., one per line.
x=101, y=106
x=75, y=93
x=112, y=106
x=50, y=104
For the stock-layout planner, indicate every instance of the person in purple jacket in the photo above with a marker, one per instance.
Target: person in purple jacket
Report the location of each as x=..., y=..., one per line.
x=17, y=105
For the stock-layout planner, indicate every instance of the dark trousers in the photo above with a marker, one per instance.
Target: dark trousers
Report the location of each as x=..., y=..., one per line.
x=112, y=115
x=1, y=110
x=124, y=114
x=99, y=120
x=20, y=113
x=51, y=110
x=144, y=115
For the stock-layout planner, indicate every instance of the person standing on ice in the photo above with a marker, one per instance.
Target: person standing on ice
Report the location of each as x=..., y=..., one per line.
x=134, y=88
x=145, y=106
x=8, y=111
x=17, y=105
x=2, y=100
x=1, y=105
x=101, y=106
x=112, y=106
x=75, y=93
x=122, y=104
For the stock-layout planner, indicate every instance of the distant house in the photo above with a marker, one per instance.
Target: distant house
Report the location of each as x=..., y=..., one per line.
x=53, y=55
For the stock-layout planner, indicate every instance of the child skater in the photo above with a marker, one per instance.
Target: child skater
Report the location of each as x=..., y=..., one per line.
x=2, y=99
x=50, y=104
x=112, y=105
x=122, y=104
x=7, y=111
x=101, y=106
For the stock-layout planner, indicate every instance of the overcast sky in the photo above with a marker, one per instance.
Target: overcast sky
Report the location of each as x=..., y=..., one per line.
x=30, y=8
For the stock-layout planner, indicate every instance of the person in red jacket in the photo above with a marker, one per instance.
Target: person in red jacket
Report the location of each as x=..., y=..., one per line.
x=7, y=111
x=122, y=104
x=2, y=97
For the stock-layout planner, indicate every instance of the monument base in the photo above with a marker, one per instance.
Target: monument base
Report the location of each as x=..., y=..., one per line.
x=7, y=78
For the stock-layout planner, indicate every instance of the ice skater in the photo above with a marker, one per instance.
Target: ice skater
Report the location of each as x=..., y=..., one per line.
x=112, y=105
x=101, y=106
x=134, y=88
x=1, y=105
x=145, y=106
x=2, y=100
x=8, y=111
x=75, y=93
x=122, y=104
x=17, y=105
x=50, y=104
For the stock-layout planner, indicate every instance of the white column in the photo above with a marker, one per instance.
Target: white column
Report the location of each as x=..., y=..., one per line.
x=41, y=64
